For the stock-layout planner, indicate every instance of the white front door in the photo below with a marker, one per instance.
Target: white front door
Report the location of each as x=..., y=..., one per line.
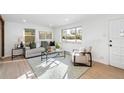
x=116, y=43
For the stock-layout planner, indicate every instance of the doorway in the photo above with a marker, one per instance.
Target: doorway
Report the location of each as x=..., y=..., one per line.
x=116, y=43
x=1, y=37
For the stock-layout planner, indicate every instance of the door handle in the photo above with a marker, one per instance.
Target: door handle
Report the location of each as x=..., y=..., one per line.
x=110, y=40
x=110, y=45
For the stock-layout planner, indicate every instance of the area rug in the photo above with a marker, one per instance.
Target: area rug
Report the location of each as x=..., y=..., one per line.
x=56, y=68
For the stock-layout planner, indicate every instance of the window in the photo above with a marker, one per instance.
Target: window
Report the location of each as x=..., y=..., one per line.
x=48, y=35
x=45, y=35
x=72, y=34
x=29, y=36
x=42, y=35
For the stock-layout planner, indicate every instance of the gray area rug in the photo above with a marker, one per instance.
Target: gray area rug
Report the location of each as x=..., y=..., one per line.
x=56, y=68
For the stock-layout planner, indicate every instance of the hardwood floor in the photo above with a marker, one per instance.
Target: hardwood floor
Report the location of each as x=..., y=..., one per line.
x=102, y=71
x=16, y=69
x=20, y=69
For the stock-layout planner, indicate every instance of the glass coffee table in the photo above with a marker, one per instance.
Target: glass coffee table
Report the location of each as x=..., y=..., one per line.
x=56, y=53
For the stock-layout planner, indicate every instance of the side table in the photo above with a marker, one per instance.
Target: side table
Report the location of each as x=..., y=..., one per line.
x=18, y=52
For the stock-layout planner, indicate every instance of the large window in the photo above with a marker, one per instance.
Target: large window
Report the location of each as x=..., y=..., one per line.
x=72, y=34
x=45, y=35
x=29, y=36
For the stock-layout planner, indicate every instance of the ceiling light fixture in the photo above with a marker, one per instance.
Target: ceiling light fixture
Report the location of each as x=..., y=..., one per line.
x=66, y=19
x=24, y=21
x=59, y=25
x=50, y=25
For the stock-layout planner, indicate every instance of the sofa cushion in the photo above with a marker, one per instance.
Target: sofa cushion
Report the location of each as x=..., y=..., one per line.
x=34, y=52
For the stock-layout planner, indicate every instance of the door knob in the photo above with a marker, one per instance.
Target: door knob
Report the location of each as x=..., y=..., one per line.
x=110, y=45
x=110, y=40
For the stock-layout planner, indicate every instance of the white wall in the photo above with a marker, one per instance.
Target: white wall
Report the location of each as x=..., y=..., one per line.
x=95, y=34
x=15, y=30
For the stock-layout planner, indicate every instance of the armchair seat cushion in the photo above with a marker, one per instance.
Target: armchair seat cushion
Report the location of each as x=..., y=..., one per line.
x=79, y=57
x=82, y=57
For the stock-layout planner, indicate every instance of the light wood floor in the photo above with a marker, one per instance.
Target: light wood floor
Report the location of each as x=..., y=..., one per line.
x=102, y=71
x=16, y=69
x=20, y=69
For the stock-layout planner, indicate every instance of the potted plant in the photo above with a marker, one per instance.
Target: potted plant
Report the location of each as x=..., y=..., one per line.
x=32, y=45
x=57, y=46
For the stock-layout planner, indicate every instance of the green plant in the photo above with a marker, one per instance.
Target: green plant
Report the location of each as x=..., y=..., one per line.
x=57, y=46
x=32, y=45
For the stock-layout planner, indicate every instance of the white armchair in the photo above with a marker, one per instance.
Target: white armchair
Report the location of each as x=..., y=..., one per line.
x=82, y=57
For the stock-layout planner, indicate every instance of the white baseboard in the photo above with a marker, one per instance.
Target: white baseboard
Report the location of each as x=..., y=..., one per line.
x=100, y=62
x=5, y=57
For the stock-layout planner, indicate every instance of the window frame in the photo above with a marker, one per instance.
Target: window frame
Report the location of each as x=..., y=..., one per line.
x=45, y=33
x=34, y=35
x=75, y=40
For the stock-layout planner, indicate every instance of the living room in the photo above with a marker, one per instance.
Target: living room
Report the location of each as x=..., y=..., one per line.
x=66, y=46
x=54, y=36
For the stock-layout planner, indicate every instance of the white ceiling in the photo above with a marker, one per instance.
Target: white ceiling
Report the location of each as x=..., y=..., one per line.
x=52, y=20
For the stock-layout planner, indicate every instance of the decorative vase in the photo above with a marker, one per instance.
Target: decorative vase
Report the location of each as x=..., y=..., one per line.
x=21, y=45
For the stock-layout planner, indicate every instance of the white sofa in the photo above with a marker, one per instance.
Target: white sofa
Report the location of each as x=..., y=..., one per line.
x=29, y=53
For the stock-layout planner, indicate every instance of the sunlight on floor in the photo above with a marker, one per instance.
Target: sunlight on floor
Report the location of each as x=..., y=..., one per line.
x=28, y=75
x=51, y=68
x=22, y=77
x=50, y=62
